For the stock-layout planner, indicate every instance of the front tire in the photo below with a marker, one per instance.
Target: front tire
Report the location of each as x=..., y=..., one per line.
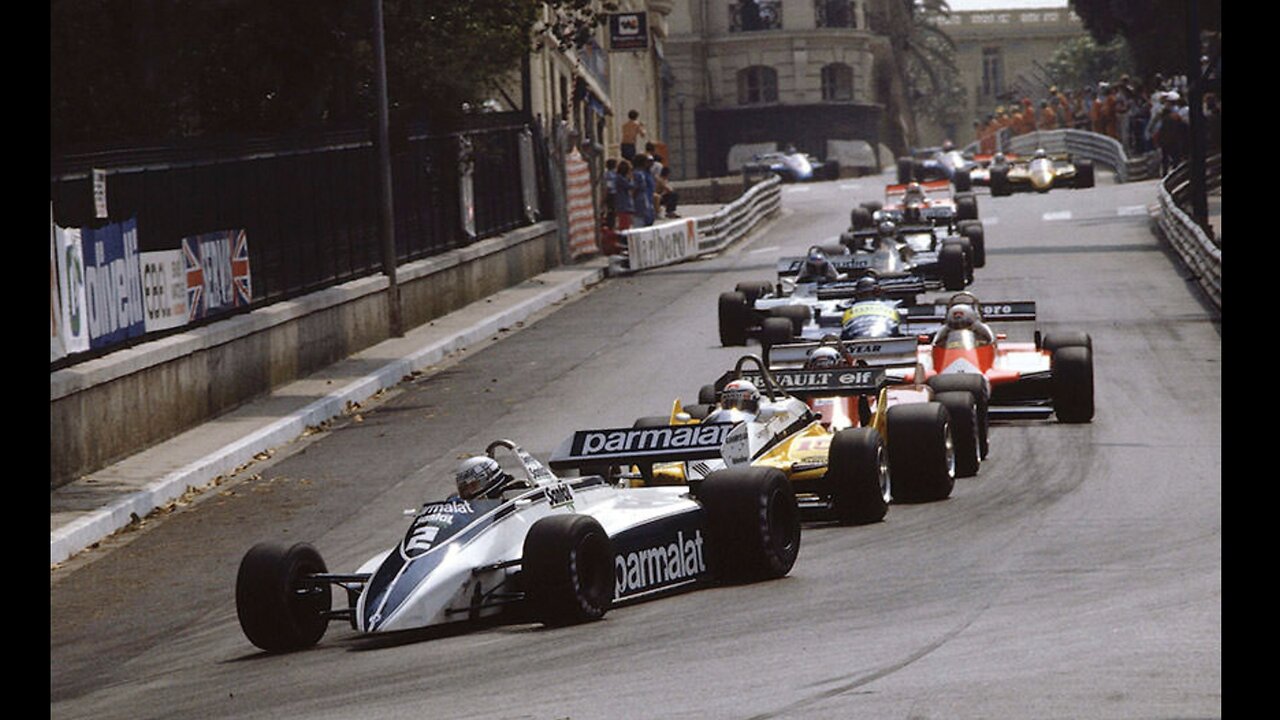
x=858, y=476
x=962, y=409
x=953, y=266
x=776, y=331
x=279, y=609
x=568, y=570
x=734, y=316
x=753, y=290
x=753, y=525
x=972, y=229
x=975, y=385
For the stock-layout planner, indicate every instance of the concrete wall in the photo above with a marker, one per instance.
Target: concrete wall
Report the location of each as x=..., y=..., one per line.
x=106, y=409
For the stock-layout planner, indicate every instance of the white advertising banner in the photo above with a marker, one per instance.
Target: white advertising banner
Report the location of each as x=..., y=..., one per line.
x=71, y=293
x=661, y=244
x=164, y=289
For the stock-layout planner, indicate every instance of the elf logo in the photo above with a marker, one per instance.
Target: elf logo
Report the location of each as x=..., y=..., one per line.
x=655, y=567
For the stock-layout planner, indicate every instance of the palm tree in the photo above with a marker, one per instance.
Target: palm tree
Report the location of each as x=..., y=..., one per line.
x=920, y=60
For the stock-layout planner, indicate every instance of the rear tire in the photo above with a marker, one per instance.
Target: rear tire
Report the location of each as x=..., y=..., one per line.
x=568, y=570
x=977, y=239
x=753, y=525
x=1070, y=338
x=858, y=476
x=753, y=290
x=906, y=166
x=798, y=315
x=951, y=262
x=921, y=455
x=776, y=330
x=966, y=207
x=274, y=613
x=962, y=181
x=1000, y=182
x=977, y=386
x=735, y=315
x=1084, y=174
x=962, y=408
x=860, y=218
x=707, y=395
x=1072, y=369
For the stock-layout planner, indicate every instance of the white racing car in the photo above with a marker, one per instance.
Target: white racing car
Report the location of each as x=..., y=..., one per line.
x=550, y=550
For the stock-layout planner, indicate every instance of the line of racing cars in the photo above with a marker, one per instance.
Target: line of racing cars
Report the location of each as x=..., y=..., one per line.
x=864, y=394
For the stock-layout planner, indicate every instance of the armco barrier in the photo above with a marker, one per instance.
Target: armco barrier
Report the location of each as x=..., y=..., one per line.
x=1201, y=254
x=1099, y=148
x=680, y=240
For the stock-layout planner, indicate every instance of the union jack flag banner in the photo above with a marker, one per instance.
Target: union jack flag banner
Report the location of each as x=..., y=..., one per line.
x=218, y=277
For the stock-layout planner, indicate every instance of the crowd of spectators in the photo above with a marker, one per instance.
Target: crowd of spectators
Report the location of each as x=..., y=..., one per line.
x=1143, y=116
x=638, y=190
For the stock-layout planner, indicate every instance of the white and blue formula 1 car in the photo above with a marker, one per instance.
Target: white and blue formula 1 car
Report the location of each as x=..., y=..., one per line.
x=554, y=550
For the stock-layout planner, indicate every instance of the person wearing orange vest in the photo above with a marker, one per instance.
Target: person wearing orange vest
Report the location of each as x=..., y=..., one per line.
x=1048, y=118
x=1108, y=113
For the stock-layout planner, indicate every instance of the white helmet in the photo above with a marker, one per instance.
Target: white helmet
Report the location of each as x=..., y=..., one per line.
x=740, y=395
x=478, y=476
x=1041, y=153
x=961, y=316
x=824, y=357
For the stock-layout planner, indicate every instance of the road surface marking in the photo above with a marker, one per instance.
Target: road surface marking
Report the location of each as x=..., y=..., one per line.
x=990, y=221
x=1059, y=215
x=849, y=186
x=771, y=248
x=1132, y=210
x=797, y=188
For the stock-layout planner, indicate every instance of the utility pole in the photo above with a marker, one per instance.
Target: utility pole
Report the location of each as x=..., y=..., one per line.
x=388, y=223
x=1195, y=99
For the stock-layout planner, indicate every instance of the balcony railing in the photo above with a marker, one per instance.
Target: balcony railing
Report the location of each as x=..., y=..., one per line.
x=835, y=13
x=753, y=15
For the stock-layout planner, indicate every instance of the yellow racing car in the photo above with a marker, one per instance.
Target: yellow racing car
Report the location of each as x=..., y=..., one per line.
x=1041, y=173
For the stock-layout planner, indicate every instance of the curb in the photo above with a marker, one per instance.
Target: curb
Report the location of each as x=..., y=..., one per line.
x=97, y=525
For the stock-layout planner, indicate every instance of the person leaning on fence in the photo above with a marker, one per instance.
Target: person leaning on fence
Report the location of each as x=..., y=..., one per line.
x=632, y=130
x=624, y=193
x=666, y=196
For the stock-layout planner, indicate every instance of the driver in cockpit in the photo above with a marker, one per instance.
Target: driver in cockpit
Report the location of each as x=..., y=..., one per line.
x=481, y=477
x=817, y=268
x=963, y=316
x=739, y=402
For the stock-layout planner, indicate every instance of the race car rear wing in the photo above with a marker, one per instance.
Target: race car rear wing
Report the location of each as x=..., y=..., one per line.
x=933, y=189
x=802, y=383
x=1016, y=310
x=629, y=446
x=851, y=264
x=876, y=352
x=905, y=287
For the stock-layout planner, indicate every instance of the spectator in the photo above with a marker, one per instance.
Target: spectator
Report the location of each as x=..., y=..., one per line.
x=610, y=192
x=657, y=161
x=1124, y=108
x=1095, y=112
x=1048, y=118
x=645, y=186
x=1213, y=122
x=1172, y=138
x=667, y=197
x=632, y=130
x=1107, y=113
x=624, y=202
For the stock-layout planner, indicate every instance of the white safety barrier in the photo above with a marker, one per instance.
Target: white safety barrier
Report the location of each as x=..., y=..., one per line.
x=1102, y=149
x=679, y=240
x=1201, y=254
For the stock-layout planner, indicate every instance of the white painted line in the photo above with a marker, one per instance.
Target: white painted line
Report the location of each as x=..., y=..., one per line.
x=990, y=221
x=1059, y=215
x=797, y=188
x=849, y=186
x=1132, y=210
x=757, y=251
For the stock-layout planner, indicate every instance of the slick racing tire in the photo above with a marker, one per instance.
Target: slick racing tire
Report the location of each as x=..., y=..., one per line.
x=962, y=409
x=798, y=315
x=962, y=181
x=954, y=267
x=1084, y=174
x=906, y=169
x=922, y=458
x=833, y=249
x=568, y=570
x=753, y=524
x=860, y=218
x=1070, y=338
x=753, y=290
x=858, y=476
x=274, y=611
x=735, y=316
x=1000, y=182
x=776, y=330
x=873, y=206
x=966, y=206
x=1072, y=370
x=707, y=394
x=700, y=411
x=972, y=229
x=977, y=386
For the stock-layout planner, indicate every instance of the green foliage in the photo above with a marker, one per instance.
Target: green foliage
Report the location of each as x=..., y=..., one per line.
x=1156, y=30
x=1082, y=61
x=150, y=70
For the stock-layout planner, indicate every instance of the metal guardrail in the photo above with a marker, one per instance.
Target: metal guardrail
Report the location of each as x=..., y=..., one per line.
x=1201, y=254
x=681, y=240
x=1097, y=147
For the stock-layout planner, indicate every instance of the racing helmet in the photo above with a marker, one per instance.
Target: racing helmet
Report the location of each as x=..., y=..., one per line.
x=888, y=228
x=823, y=357
x=816, y=264
x=740, y=395
x=867, y=288
x=478, y=476
x=961, y=316
x=1040, y=153
x=947, y=145
x=998, y=159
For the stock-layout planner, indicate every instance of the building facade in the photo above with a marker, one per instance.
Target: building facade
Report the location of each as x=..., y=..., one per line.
x=750, y=75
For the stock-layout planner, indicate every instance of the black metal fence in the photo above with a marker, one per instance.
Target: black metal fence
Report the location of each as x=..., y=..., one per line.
x=309, y=205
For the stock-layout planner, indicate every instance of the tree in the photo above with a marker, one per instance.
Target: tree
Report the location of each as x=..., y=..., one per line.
x=1083, y=61
x=1154, y=29
x=920, y=61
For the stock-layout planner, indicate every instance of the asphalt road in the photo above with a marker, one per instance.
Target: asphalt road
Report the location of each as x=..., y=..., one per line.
x=1078, y=575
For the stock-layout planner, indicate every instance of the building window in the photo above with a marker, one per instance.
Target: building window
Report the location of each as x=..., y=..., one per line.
x=757, y=85
x=751, y=15
x=992, y=72
x=835, y=13
x=837, y=82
